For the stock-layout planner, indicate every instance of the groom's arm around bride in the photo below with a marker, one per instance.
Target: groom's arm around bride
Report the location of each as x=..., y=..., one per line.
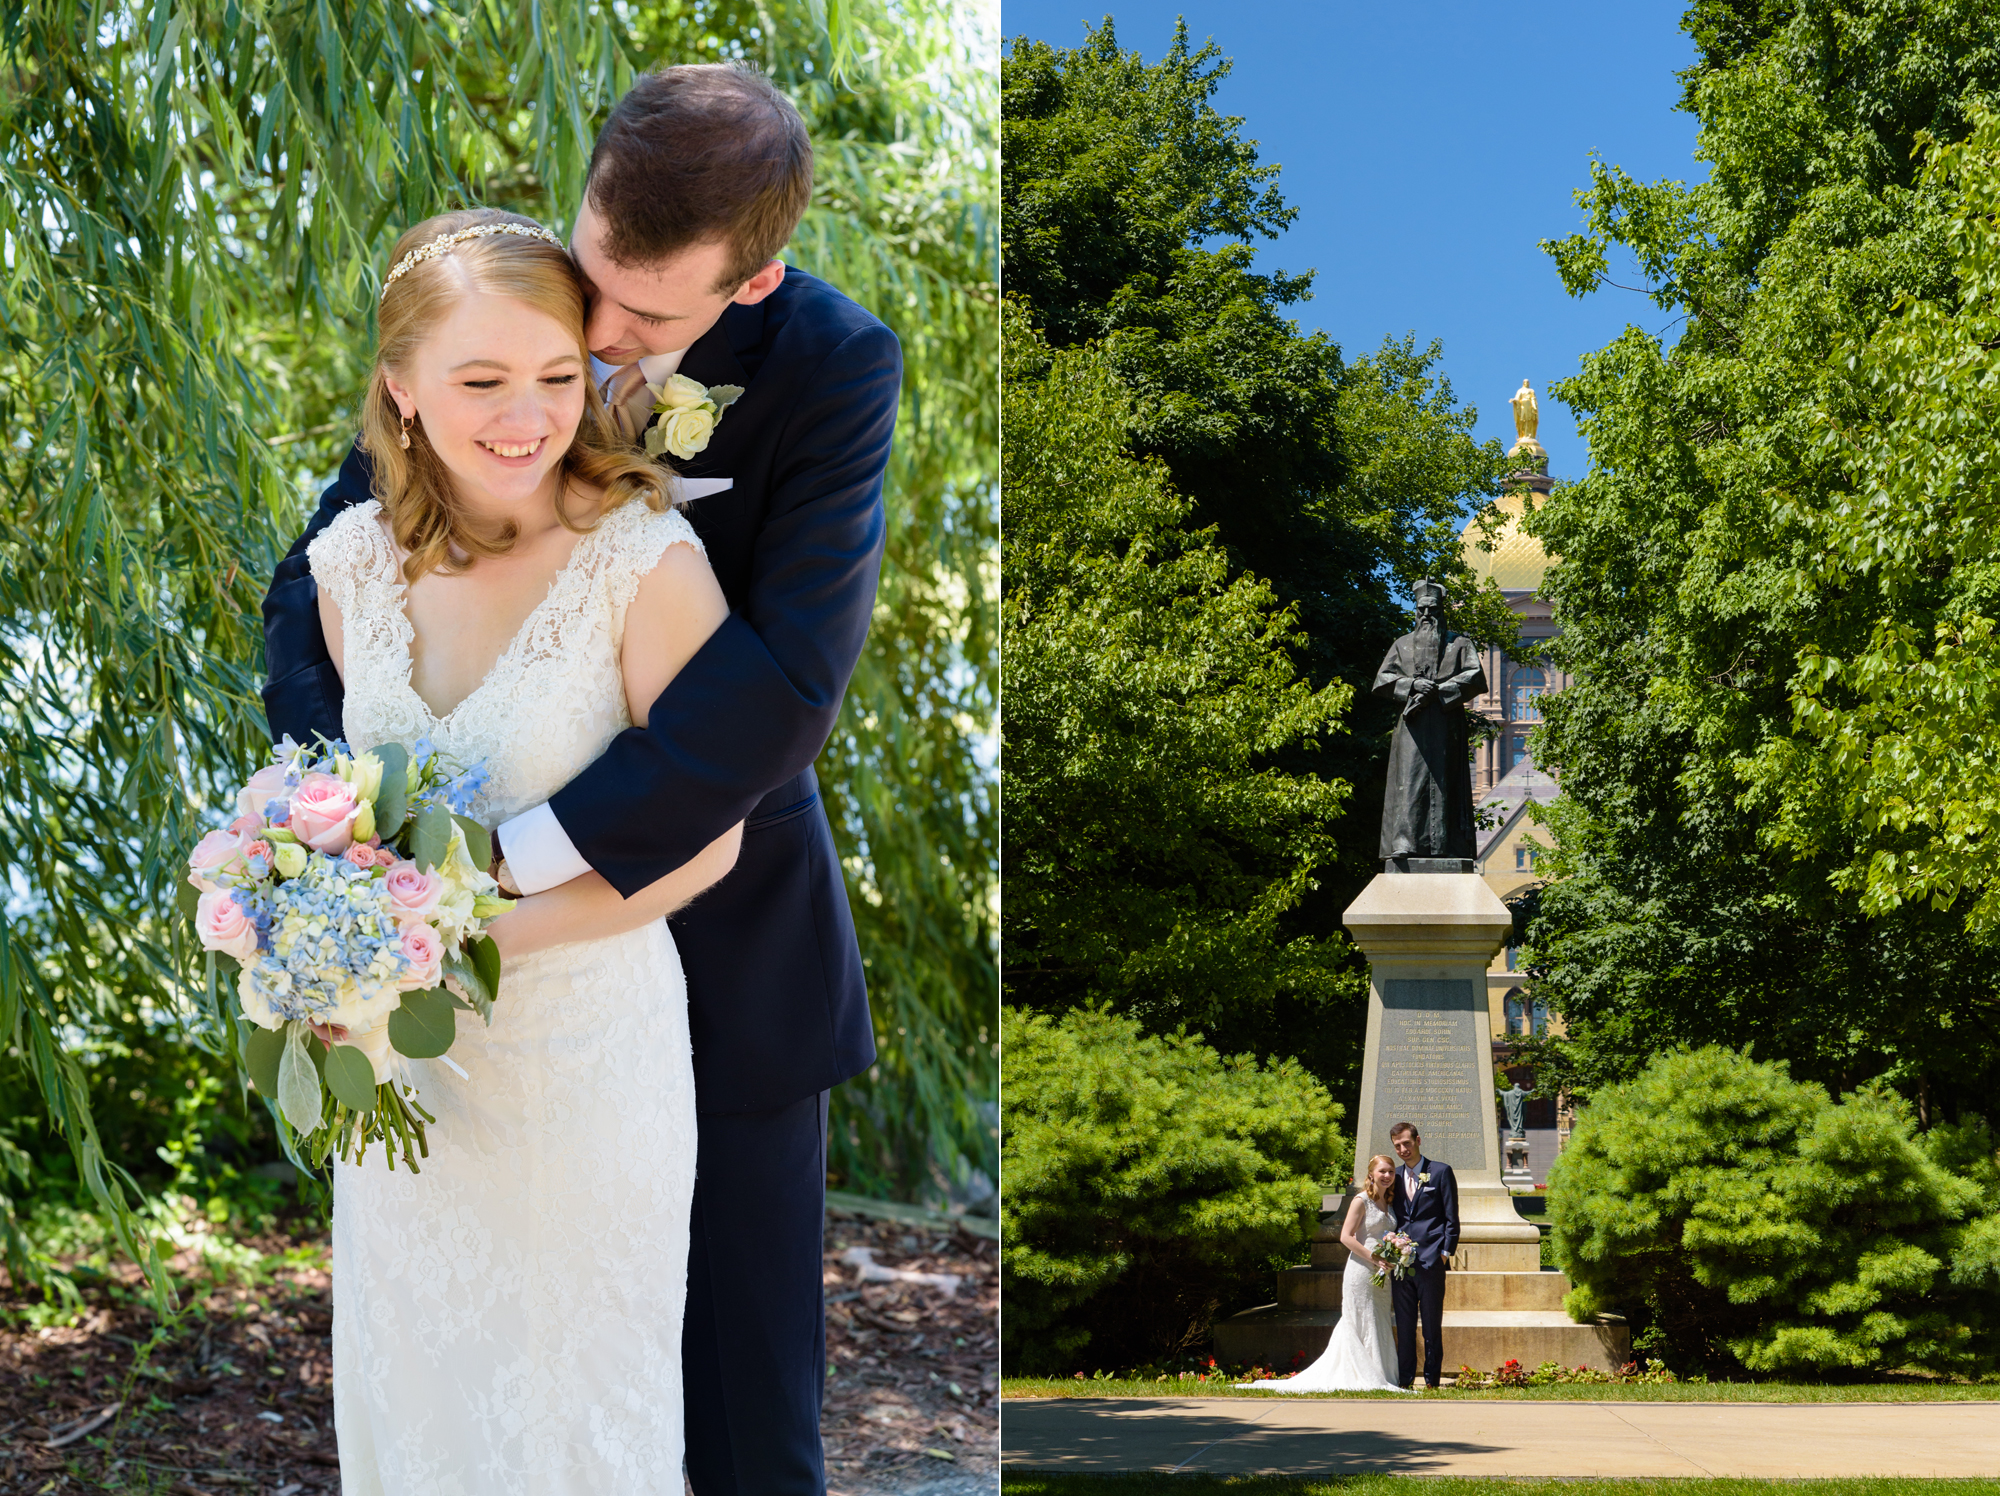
x=699, y=177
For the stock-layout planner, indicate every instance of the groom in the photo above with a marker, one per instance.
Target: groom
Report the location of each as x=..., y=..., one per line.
x=1426, y=1210
x=699, y=177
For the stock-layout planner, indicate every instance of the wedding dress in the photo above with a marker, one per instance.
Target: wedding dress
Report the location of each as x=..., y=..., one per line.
x=509, y=1320
x=1361, y=1356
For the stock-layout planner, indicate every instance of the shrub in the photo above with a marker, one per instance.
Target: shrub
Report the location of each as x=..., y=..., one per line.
x=1757, y=1221
x=1147, y=1181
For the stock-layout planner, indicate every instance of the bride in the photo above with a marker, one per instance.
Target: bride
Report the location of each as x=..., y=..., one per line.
x=520, y=590
x=1361, y=1356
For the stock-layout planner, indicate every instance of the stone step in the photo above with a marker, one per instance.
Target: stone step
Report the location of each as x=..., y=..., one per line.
x=1319, y=1288
x=1287, y=1339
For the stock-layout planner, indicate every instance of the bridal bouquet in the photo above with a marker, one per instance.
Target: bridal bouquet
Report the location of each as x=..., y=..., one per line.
x=1399, y=1255
x=343, y=893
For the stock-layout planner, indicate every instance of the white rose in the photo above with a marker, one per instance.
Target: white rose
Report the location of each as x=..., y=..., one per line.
x=679, y=393
x=686, y=432
x=256, y=1007
x=364, y=773
x=356, y=1006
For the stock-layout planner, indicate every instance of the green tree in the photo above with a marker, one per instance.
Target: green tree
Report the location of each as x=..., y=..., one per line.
x=197, y=201
x=1757, y=1223
x=1129, y=210
x=1153, y=850
x=1693, y=573
x=1149, y=1182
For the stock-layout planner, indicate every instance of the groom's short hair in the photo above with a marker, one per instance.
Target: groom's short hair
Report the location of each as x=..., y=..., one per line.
x=1402, y=1127
x=701, y=154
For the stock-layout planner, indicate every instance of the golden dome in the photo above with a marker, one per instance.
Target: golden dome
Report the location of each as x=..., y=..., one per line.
x=1517, y=562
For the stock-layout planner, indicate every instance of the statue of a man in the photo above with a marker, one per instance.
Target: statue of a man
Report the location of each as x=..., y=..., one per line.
x=1427, y=808
x=1515, y=1102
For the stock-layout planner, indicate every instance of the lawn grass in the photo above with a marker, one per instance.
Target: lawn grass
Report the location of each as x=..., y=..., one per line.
x=1043, y=1483
x=1711, y=1392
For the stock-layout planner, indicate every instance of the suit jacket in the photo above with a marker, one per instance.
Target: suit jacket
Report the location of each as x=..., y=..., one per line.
x=778, y=1008
x=1430, y=1220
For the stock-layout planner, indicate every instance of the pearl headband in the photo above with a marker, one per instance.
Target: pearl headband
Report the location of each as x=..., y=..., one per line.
x=441, y=246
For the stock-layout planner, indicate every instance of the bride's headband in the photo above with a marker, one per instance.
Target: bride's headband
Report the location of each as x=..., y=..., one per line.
x=442, y=245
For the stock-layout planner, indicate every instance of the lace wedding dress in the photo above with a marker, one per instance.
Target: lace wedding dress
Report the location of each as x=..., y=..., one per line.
x=1361, y=1356
x=509, y=1320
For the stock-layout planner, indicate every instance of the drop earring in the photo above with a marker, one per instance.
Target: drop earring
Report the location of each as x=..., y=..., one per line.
x=404, y=439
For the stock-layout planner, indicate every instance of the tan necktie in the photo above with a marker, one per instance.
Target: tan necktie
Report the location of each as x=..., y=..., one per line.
x=621, y=401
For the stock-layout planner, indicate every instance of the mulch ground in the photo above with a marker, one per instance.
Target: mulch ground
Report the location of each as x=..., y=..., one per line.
x=235, y=1397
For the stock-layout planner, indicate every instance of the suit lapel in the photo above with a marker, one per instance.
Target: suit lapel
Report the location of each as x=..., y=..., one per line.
x=716, y=357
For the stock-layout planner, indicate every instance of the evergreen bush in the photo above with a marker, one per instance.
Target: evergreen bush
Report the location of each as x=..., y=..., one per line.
x=1149, y=1182
x=1758, y=1223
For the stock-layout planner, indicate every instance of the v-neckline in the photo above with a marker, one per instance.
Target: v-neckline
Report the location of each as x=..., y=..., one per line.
x=507, y=651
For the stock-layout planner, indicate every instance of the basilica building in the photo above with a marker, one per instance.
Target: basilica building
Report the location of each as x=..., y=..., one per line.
x=1505, y=779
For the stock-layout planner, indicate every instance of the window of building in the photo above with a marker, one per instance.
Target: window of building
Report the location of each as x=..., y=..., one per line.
x=1524, y=1017
x=1525, y=689
x=1525, y=854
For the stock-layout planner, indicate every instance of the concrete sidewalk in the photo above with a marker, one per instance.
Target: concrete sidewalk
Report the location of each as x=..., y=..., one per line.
x=1240, y=1436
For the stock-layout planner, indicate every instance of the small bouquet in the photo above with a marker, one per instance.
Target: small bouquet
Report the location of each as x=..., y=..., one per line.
x=348, y=887
x=1398, y=1254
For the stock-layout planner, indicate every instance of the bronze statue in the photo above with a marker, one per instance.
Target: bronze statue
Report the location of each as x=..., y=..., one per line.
x=1427, y=808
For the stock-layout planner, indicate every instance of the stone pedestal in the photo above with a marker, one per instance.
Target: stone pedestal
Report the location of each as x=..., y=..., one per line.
x=1516, y=1176
x=1429, y=938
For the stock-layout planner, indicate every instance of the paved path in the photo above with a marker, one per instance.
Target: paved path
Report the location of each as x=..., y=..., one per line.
x=1225, y=1436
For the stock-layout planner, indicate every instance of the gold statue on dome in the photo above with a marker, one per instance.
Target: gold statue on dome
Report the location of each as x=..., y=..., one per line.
x=1527, y=417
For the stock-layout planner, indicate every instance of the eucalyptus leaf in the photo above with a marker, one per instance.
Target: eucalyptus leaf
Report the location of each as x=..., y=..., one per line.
x=486, y=961
x=473, y=981
x=351, y=1077
x=298, y=1082
x=392, y=801
x=478, y=842
x=424, y=1026
x=262, y=1049
x=430, y=841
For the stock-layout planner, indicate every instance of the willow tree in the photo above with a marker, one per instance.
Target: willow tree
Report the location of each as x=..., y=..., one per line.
x=197, y=202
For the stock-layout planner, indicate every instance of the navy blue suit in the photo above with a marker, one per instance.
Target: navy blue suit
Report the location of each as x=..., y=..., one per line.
x=778, y=1010
x=1431, y=1222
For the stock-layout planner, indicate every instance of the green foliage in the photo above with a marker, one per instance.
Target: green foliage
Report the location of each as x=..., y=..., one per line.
x=195, y=202
x=1328, y=486
x=1153, y=850
x=1760, y=1223
x=1701, y=883
x=1149, y=1181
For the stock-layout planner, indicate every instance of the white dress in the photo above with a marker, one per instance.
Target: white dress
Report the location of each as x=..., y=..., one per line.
x=1361, y=1356
x=509, y=1320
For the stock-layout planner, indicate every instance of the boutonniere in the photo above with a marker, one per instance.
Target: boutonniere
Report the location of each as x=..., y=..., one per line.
x=688, y=412
x=1424, y=1178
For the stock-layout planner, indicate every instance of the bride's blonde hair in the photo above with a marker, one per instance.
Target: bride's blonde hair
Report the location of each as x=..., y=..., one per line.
x=1368, y=1181
x=413, y=483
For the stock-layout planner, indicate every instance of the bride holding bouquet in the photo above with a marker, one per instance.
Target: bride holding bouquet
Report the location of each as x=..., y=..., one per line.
x=1361, y=1356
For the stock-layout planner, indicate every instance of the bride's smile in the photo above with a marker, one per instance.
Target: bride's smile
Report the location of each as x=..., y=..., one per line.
x=499, y=389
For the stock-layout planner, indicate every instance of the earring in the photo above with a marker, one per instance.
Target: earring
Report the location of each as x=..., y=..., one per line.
x=404, y=439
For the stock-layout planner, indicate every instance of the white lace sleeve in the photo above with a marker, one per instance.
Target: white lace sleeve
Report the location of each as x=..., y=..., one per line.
x=348, y=554
x=638, y=538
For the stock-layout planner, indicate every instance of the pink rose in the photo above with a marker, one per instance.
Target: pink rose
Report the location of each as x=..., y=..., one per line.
x=360, y=856
x=252, y=798
x=323, y=812
x=424, y=949
x=258, y=848
x=413, y=895
x=214, y=854
x=221, y=925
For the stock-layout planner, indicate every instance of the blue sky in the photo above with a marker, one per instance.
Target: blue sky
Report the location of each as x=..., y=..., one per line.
x=1429, y=148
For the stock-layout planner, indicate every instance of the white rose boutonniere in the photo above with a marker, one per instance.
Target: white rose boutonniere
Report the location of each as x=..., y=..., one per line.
x=688, y=412
x=1425, y=1177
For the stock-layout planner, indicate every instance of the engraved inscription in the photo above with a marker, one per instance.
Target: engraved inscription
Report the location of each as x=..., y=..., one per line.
x=1429, y=1071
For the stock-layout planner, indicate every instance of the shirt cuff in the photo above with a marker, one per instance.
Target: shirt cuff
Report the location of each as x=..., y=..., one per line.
x=539, y=853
